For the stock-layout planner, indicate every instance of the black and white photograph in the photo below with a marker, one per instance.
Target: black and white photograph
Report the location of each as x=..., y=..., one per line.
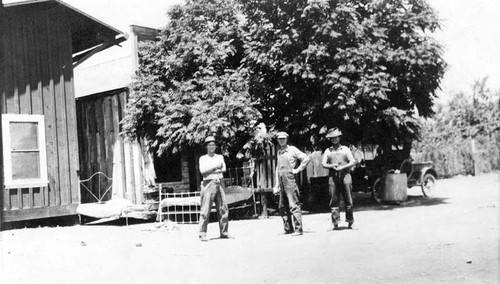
x=249, y=141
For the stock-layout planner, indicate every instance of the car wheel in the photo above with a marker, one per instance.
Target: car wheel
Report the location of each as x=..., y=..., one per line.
x=428, y=185
x=377, y=190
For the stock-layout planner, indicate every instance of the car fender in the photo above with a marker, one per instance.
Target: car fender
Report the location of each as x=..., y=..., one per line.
x=424, y=171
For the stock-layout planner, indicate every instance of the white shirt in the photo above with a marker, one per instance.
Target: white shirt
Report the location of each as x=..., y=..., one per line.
x=209, y=162
x=340, y=156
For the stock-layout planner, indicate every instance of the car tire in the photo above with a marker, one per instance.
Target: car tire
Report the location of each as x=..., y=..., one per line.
x=377, y=190
x=428, y=185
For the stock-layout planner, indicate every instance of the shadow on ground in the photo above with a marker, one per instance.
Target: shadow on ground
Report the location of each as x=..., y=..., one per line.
x=68, y=221
x=319, y=203
x=43, y=222
x=364, y=202
x=312, y=204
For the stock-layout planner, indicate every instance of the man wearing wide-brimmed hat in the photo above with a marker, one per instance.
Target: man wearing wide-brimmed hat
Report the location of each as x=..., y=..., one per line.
x=289, y=205
x=339, y=160
x=211, y=167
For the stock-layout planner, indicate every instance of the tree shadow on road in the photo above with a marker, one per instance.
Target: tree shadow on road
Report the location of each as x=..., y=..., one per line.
x=364, y=202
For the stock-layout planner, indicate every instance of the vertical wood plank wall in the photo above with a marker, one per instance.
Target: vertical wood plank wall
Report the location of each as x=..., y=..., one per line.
x=2, y=62
x=266, y=168
x=37, y=78
x=102, y=149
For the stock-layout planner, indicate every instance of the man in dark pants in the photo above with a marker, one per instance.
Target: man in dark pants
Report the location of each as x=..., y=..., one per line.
x=286, y=187
x=211, y=167
x=339, y=160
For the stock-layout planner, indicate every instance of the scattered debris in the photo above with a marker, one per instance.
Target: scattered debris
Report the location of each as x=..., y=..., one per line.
x=487, y=206
x=163, y=226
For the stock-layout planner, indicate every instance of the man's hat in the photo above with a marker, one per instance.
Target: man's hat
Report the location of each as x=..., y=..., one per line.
x=209, y=139
x=282, y=134
x=334, y=132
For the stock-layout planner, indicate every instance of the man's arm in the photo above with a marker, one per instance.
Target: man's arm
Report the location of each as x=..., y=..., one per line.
x=325, y=163
x=304, y=160
x=276, y=188
x=207, y=169
x=350, y=159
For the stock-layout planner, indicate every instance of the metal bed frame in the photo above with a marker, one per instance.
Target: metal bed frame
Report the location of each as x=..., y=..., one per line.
x=184, y=207
x=142, y=211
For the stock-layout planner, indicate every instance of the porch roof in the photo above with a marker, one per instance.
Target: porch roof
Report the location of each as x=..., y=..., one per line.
x=89, y=35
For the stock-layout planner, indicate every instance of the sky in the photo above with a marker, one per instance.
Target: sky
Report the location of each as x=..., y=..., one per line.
x=470, y=34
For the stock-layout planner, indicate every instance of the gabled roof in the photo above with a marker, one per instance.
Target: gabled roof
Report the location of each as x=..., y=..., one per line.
x=89, y=35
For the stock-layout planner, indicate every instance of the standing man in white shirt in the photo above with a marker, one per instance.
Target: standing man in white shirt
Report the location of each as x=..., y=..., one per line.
x=212, y=166
x=339, y=160
x=289, y=205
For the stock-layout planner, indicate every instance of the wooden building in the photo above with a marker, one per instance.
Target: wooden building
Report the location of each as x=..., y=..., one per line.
x=41, y=42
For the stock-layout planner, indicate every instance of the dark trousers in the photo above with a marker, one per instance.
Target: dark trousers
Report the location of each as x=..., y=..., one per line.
x=341, y=185
x=289, y=204
x=213, y=191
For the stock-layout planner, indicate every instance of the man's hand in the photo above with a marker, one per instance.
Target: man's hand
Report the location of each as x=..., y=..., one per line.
x=276, y=190
x=295, y=171
x=218, y=168
x=337, y=167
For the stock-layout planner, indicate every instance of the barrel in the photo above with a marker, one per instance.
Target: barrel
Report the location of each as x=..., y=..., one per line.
x=395, y=188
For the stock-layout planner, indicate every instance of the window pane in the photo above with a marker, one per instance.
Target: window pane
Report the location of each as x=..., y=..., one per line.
x=25, y=165
x=24, y=135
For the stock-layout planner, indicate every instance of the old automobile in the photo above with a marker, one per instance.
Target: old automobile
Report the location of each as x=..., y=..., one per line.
x=373, y=166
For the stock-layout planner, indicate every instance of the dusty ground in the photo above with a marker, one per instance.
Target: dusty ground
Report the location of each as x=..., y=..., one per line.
x=452, y=238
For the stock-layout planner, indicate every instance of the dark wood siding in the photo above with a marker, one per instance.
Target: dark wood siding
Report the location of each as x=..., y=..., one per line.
x=102, y=149
x=266, y=168
x=98, y=131
x=37, y=78
x=2, y=71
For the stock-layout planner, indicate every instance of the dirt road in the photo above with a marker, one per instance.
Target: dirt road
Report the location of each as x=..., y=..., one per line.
x=451, y=238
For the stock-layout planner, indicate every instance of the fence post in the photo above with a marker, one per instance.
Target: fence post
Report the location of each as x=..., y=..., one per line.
x=474, y=156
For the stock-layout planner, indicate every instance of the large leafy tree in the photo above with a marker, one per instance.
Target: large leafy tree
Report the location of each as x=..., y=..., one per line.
x=189, y=84
x=368, y=67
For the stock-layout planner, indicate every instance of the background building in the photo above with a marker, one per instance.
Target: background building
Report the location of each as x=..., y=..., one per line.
x=41, y=43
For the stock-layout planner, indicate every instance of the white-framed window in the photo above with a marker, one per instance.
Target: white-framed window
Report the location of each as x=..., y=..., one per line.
x=24, y=150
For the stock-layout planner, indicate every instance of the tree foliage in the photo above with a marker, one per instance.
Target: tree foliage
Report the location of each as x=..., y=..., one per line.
x=366, y=66
x=189, y=85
